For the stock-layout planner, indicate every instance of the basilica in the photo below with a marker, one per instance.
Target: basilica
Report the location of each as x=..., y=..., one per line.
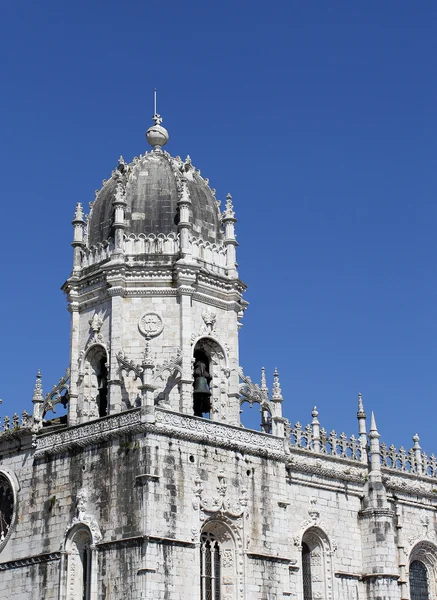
x=150, y=488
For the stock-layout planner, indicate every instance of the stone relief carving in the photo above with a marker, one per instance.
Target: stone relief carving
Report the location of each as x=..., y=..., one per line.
x=220, y=504
x=83, y=518
x=150, y=325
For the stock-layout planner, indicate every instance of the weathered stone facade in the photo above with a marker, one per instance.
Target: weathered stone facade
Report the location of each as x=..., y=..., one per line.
x=152, y=488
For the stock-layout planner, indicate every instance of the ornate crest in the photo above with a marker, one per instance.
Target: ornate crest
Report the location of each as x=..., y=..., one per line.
x=220, y=504
x=150, y=325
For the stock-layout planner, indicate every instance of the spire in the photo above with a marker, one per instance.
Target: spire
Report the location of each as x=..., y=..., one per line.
x=362, y=429
x=276, y=392
x=373, y=433
x=375, y=451
x=37, y=394
x=38, y=403
x=157, y=136
x=229, y=220
x=263, y=386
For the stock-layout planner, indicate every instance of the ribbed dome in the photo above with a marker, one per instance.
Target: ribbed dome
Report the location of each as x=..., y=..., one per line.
x=151, y=183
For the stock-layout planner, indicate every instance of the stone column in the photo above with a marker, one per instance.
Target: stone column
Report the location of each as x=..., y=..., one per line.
x=73, y=417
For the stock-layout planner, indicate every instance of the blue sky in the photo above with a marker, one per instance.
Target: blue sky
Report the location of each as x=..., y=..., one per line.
x=319, y=117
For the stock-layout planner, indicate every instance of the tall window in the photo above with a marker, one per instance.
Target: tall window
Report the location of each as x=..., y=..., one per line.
x=306, y=572
x=210, y=567
x=316, y=569
x=79, y=566
x=418, y=581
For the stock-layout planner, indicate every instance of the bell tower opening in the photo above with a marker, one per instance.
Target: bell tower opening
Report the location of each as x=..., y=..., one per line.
x=201, y=384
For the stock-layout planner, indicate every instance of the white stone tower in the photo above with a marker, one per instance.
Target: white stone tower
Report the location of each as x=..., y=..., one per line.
x=154, y=295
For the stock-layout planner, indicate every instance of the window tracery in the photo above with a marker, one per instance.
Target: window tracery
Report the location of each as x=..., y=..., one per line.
x=316, y=557
x=218, y=580
x=419, y=589
x=422, y=575
x=6, y=507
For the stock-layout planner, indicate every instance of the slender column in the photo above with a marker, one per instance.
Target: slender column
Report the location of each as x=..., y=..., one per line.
x=77, y=243
x=114, y=382
x=186, y=384
x=147, y=389
x=74, y=359
x=119, y=203
x=230, y=242
x=184, y=225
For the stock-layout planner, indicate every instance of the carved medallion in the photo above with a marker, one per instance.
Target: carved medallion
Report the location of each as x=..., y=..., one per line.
x=150, y=325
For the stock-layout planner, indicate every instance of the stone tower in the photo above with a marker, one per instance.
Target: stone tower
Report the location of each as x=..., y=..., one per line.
x=154, y=293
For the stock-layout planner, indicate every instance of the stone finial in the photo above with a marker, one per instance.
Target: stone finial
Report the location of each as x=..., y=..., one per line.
x=78, y=214
x=315, y=426
x=263, y=385
x=360, y=412
x=418, y=454
x=37, y=394
x=228, y=213
x=373, y=432
x=276, y=392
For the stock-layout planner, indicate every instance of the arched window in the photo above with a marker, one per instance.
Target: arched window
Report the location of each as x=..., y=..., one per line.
x=418, y=581
x=316, y=564
x=8, y=505
x=210, y=381
x=210, y=578
x=79, y=563
x=218, y=564
x=306, y=572
x=95, y=383
x=422, y=575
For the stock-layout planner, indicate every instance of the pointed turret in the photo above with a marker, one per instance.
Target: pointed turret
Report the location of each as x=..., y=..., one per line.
x=276, y=399
x=38, y=402
x=362, y=430
x=276, y=392
x=263, y=385
x=78, y=224
x=230, y=241
x=375, y=451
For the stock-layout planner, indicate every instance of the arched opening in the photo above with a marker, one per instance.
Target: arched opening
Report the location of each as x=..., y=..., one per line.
x=79, y=563
x=217, y=563
x=306, y=572
x=6, y=507
x=422, y=572
x=95, y=383
x=419, y=589
x=201, y=384
x=316, y=566
x=210, y=379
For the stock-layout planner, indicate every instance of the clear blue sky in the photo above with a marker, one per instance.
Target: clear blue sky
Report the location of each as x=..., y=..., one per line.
x=318, y=116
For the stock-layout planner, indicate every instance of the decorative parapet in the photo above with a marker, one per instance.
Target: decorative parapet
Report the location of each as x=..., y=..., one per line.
x=96, y=254
x=311, y=439
x=11, y=426
x=88, y=433
x=183, y=426
x=152, y=244
x=213, y=255
x=197, y=429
